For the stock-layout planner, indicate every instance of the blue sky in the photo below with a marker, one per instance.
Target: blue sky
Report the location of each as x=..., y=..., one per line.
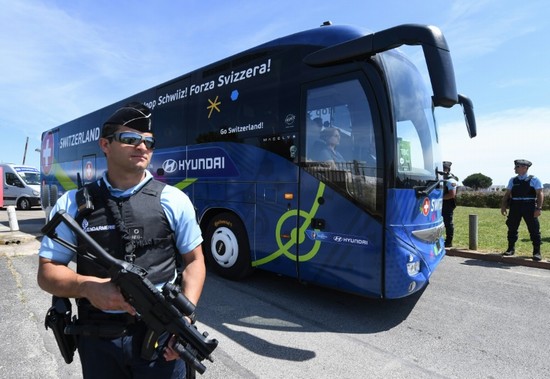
x=62, y=59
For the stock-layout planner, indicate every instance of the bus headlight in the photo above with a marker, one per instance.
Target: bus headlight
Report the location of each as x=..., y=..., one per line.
x=413, y=266
x=431, y=235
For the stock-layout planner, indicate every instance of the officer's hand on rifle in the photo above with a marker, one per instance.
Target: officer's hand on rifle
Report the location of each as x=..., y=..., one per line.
x=104, y=295
x=169, y=353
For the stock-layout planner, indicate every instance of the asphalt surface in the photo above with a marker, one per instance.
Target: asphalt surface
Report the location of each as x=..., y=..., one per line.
x=20, y=231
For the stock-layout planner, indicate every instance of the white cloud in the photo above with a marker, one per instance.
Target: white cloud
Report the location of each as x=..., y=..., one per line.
x=472, y=34
x=502, y=138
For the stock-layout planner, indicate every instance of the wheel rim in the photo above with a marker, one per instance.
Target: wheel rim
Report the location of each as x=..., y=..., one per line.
x=224, y=247
x=24, y=204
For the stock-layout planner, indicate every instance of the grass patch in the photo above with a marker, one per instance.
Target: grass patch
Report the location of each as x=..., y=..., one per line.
x=492, y=232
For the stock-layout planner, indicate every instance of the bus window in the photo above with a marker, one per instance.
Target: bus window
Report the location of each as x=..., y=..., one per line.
x=244, y=111
x=341, y=144
x=171, y=115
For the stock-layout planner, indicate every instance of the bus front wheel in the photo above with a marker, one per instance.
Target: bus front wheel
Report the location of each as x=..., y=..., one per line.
x=226, y=247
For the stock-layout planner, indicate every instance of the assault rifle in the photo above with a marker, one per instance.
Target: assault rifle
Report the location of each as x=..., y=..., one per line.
x=162, y=311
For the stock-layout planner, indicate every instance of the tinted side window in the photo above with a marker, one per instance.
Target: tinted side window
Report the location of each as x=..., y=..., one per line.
x=169, y=117
x=240, y=103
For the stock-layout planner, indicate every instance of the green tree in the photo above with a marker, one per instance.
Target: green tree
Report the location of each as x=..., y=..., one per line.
x=478, y=181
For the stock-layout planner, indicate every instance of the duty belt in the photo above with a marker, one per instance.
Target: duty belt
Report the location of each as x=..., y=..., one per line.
x=94, y=322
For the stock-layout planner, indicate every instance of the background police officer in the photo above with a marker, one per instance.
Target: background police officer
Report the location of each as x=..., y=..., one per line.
x=525, y=197
x=449, y=202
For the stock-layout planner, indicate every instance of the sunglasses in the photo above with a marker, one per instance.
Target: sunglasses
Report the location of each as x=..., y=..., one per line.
x=131, y=138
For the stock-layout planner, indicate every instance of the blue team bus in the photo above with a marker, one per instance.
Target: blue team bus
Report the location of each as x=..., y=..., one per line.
x=238, y=136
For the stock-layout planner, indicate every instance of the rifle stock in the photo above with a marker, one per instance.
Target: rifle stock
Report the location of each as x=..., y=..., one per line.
x=161, y=311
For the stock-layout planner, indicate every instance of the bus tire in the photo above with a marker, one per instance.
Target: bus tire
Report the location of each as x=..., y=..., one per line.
x=54, y=194
x=226, y=246
x=24, y=204
x=45, y=196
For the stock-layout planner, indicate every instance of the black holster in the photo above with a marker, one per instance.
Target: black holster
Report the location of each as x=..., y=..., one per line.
x=57, y=319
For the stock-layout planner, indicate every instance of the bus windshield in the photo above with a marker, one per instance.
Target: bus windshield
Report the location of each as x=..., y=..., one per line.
x=417, y=140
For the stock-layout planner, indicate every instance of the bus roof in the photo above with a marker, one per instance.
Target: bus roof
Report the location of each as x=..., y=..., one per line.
x=324, y=36
x=331, y=44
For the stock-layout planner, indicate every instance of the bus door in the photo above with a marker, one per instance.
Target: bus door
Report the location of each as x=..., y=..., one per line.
x=275, y=247
x=276, y=220
x=341, y=187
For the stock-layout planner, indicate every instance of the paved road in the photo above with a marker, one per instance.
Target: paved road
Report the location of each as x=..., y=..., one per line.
x=24, y=227
x=477, y=319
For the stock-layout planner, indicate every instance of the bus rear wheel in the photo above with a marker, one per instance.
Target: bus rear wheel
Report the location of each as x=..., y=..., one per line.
x=226, y=247
x=45, y=195
x=54, y=195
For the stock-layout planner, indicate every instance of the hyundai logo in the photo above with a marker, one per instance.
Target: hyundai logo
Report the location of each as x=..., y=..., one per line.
x=169, y=166
x=289, y=119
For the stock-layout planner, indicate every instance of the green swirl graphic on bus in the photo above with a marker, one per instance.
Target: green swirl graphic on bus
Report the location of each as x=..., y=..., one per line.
x=297, y=236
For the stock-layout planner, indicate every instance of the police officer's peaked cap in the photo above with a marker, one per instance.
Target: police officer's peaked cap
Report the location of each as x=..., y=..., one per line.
x=447, y=164
x=522, y=162
x=133, y=115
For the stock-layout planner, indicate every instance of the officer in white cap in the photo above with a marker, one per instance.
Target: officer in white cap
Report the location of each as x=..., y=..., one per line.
x=524, y=196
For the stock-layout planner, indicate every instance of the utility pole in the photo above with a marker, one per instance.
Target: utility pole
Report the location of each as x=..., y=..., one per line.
x=25, y=153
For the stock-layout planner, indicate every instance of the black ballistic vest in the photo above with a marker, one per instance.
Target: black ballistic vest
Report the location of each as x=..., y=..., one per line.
x=522, y=189
x=146, y=229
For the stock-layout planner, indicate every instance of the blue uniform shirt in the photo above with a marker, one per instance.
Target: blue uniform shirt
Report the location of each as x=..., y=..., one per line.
x=451, y=183
x=535, y=182
x=177, y=206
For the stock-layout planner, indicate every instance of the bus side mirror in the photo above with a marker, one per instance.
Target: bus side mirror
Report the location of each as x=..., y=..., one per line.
x=469, y=117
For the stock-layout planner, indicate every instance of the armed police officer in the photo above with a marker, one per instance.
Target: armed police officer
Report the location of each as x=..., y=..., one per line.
x=136, y=218
x=525, y=197
x=449, y=202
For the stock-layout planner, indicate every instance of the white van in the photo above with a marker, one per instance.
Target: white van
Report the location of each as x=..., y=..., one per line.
x=21, y=185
